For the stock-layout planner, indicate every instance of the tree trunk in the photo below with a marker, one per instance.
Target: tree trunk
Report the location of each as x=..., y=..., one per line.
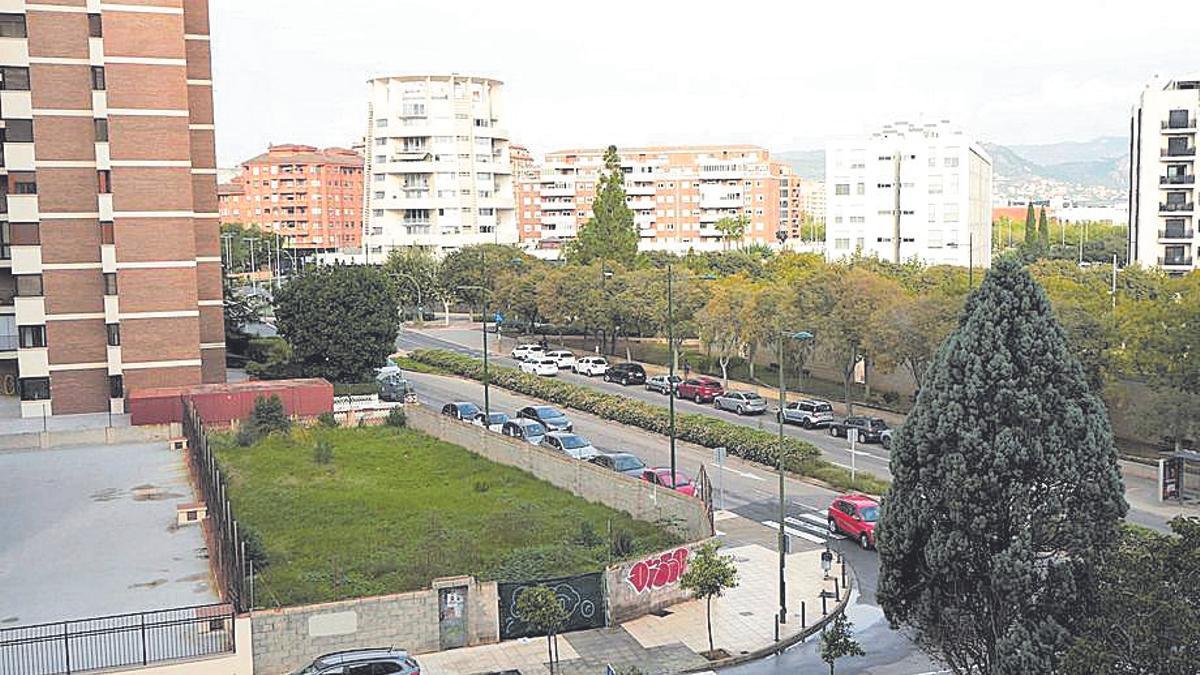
x=750, y=359
x=446, y=311
x=725, y=371
x=550, y=652
x=708, y=613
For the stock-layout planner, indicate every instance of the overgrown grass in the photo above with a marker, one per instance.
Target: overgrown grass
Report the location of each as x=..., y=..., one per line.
x=396, y=508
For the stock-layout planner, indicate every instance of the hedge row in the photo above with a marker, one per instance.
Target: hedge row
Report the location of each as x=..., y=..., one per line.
x=750, y=444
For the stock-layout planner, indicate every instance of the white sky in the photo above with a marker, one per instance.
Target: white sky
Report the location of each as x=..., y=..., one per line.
x=784, y=75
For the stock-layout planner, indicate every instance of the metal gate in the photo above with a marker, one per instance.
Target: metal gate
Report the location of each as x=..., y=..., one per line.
x=452, y=617
x=582, y=596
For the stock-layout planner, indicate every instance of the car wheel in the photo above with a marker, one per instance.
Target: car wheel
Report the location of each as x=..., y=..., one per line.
x=833, y=526
x=833, y=431
x=779, y=418
x=863, y=541
x=625, y=382
x=862, y=437
x=741, y=410
x=806, y=423
x=886, y=441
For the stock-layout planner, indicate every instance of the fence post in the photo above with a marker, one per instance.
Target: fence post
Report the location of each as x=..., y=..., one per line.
x=67, y=646
x=143, y=618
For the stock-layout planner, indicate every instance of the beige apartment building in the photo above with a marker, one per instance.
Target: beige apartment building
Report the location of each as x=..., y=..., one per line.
x=110, y=268
x=677, y=195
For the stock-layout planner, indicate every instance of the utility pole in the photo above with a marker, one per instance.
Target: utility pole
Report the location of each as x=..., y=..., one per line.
x=671, y=366
x=896, y=209
x=1113, y=292
x=782, y=500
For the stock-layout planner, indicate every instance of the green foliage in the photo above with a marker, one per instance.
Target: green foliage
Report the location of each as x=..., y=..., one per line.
x=356, y=388
x=1005, y=488
x=323, y=452
x=400, y=511
x=540, y=608
x=732, y=228
x=256, y=552
x=270, y=359
x=239, y=253
x=610, y=233
x=238, y=310
x=268, y=416
x=246, y=436
x=621, y=545
x=1043, y=230
x=396, y=417
x=587, y=535
x=327, y=420
x=1031, y=233
x=340, y=321
x=838, y=642
x=1148, y=617
x=709, y=574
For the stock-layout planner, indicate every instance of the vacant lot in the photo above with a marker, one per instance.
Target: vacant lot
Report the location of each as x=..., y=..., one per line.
x=395, y=509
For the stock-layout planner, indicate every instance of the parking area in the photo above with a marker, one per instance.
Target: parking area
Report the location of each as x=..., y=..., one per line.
x=91, y=531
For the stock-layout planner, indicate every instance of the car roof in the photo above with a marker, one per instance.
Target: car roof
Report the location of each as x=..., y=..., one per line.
x=352, y=655
x=861, y=500
x=523, y=421
x=561, y=434
x=457, y=404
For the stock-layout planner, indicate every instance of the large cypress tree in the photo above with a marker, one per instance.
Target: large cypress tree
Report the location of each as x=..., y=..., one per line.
x=1043, y=229
x=610, y=233
x=1005, y=489
x=1030, y=227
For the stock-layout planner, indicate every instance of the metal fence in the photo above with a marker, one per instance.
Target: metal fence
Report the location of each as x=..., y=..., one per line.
x=120, y=641
x=226, y=545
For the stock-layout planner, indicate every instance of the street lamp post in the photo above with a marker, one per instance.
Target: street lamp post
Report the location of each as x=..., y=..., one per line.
x=671, y=365
x=784, y=335
x=483, y=291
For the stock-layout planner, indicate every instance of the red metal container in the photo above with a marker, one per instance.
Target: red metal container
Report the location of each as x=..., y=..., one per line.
x=223, y=403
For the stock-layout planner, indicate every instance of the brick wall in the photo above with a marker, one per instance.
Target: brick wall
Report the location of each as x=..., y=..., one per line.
x=686, y=516
x=286, y=639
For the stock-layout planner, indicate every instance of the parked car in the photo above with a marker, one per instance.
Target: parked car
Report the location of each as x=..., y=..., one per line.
x=461, y=410
x=363, y=662
x=540, y=365
x=571, y=444
x=700, y=389
x=621, y=462
x=741, y=402
x=663, y=384
x=867, y=429
x=563, y=358
x=854, y=516
x=495, y=423
x=626, y=374
x=524, y=429
x=885, y=438
x=549, y=416
x=661, y=475
x=808, y=414
x=394, y=388
x=591, y=365
x=523, y=352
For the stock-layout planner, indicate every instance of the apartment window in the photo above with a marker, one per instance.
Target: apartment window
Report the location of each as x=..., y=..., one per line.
x=116, y=386
x=950, y=213
x=32, y=336
x=18, y=131
x=379, y=195
x=98, y=78
x=933, y=213
x=378, y=213
x=12, y=25
x=381, y=141
x=861, y=189
x=380, y=123
x=104, y=181
x=34, y=388
x=110, y=283
x=935, y=238
x=14, y=78
x=101, y=126
x=841, y=189
x=95, y=26
x=379, y=178
x=842, y=244
x=114, y=334
x=29, y=285
x=106, y=232
x=951, y=162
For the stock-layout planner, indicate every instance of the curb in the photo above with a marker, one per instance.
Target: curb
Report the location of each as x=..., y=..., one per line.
x=779, y=647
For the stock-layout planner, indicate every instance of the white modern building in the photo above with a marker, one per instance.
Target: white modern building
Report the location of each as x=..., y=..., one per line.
x=909, y=191
x=438, y=173
x=1162, y=180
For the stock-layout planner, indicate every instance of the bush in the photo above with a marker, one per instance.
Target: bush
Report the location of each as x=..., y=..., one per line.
x=270, y=358
x=246, y=436
x=269, y=416
x=256, y=550
x=621, y=545
x=745, y=442
x=327, y=420
x=356, y=389
x=396, y=417
x=587, y=536
x=323, y=452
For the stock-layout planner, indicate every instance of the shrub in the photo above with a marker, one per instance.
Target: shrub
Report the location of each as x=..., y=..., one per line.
x=269, y=416
x=587, y=536
x=356, y=389
x=246, y=436
x=327, y=420
x=621, y=545
x=269, y=358
x=323, y=452
x=256, y=550
x=396, y=417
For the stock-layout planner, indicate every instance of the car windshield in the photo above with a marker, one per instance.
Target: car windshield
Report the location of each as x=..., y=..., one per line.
x=627, y=463
x=753, y=397
x=680, y=479
x=534, y=429
x=869, y=513
x=545, y=412
x=498, y=418
x=574, y=442
x=468, y=409
x=877, y=424
x=823, y=407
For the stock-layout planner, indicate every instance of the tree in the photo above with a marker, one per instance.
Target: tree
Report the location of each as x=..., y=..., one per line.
x=413, y=273
x=1031, y=237
x=1043, y=230
x=244, y=246
x=708, y=576
x=913, y=328
x=238, y=310
x=610, y=233
x=1005, y=489
x=723, y=320
x=837, y=641
x=847, y=311
x=732, y=228
x=269, y=416
x=1148, y=618
x=340, y=321
x=540, y=607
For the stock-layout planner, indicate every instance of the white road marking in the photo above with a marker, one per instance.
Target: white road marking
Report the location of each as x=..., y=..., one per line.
x=819, y=527
x=794, y=532
x=743, y=474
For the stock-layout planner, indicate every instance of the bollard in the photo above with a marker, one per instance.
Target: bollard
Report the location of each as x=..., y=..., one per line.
x=824, y=609
x=837, y=590
x=843, y=573
x=777, y=628
x=802, y=623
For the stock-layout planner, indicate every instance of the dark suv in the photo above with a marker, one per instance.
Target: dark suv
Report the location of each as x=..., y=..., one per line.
x=626, y=374
x=382, y=661
x=867, y=429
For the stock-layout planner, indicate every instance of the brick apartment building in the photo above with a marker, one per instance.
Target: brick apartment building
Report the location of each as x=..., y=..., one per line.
x=110, y=274
x=677, y=195
x=313, y=198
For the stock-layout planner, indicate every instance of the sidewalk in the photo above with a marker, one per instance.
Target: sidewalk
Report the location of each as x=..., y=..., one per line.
x=669, y=641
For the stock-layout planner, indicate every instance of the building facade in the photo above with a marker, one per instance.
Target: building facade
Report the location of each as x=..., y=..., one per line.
x=1162, y=180
x=910, y=191
x=110, y=267
x=312, y=198
x=439, y=175
x=677, y=195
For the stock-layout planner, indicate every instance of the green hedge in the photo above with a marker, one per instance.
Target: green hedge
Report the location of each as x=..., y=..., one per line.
x=750, y=444
x=356, y=388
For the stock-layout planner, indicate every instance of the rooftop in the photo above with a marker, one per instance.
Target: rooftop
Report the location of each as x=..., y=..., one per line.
x=668, y=149
x=291, y=153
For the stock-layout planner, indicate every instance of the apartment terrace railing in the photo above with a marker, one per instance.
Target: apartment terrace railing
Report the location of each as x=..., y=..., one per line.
x=1176, y=234
x=1179, y=152
x=1187, y=262
x=1189, y=123
x=1177, y=206
x=1176, y=180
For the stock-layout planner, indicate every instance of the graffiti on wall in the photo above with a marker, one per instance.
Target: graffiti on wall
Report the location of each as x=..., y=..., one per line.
x=581, y=596
x=658, y=571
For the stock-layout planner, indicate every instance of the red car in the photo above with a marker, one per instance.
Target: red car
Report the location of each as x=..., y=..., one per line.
x=855, y=516
x=661, y=475
x=699, y=389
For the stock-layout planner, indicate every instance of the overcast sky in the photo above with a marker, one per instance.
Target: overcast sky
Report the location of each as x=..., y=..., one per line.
x=782, y=75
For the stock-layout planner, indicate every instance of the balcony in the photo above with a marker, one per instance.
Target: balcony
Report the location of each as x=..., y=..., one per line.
x=1176, y=180
x=1177, y=206
x=1175, y=262
x=8, y=343
x=1179, y=152
x=549, y=205
x=641, y=204
x=1177, y=126
x=1176, y=233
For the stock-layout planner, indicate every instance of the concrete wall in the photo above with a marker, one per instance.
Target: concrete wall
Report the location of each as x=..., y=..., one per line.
x=286, y=639
x=637, y=587
x=95, y=436
x=241, y=662
x=684, y=515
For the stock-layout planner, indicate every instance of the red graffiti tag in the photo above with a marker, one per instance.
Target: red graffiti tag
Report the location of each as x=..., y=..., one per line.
x=659, y=571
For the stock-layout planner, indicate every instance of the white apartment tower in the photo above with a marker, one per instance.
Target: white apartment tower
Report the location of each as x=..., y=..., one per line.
x=1162, y=176
x=438, y=173
x=910, y=191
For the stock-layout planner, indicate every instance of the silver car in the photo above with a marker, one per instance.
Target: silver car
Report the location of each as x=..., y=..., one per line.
x=741, y=402
x=570, y=444
x=808, y=414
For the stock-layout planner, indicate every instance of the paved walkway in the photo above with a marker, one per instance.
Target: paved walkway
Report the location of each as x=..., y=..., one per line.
x=670, y=642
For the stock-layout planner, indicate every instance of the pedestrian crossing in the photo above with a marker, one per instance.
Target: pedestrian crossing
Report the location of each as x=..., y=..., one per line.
x=808, y=526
